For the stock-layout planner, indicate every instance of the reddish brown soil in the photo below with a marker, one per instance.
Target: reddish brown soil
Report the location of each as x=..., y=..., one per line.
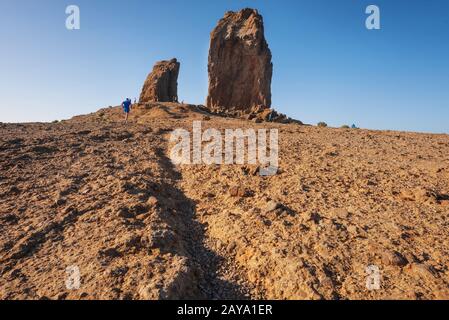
x=95, y=193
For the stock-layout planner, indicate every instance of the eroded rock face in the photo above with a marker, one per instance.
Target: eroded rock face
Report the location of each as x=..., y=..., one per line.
x=161, y=84
x=240, y=67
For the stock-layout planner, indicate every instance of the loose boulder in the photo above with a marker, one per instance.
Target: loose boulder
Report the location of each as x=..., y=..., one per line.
x=161, y=84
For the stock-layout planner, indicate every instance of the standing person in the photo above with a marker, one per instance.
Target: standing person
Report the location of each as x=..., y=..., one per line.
x=126, y=108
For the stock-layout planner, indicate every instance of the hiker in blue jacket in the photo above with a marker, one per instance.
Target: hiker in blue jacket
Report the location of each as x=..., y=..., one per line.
x=126, y=108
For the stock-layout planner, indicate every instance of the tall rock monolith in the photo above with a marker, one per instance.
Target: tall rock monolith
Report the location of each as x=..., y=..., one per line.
x=240, y=67
x=161, y=84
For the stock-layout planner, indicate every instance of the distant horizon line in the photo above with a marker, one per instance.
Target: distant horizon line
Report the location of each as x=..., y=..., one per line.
x=305, y=124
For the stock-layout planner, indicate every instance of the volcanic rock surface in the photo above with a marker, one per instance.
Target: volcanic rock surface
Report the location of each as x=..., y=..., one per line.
x=102, y=196
x=161, y=84
x=240, y=67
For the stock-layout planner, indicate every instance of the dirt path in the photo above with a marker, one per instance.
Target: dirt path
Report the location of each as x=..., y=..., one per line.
x=213, y=283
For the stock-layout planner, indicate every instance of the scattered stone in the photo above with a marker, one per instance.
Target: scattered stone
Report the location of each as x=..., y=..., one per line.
x=422, y=270
x=272, y=206
x=288, y=224
x=340, y=213
x=13, y=190
x=250, y=170
x=70, y=210
x=239, y=192
x=60, y=202
x=394, y=258
x=162, y=238
x=255, y=171
x=209, y=195
x=62, y=296
x=419, y=194
x=43, y=149
x=149, y=292
x=152, y=201
x=84, y=295
x=125, y=213
x=325, y=282
x=353, y=230
x=231, y=246
x=133, y=242
x=331, y=153
x=10, y=218
x=138, y=209
x=110, y=253
x=267, y=222
x=315, y=217
x=119, y=271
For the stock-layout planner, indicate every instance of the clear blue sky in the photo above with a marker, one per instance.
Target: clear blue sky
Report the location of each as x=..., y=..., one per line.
x=327, y=65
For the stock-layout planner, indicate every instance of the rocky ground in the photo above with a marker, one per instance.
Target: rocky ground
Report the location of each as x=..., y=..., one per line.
x=103, y=196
